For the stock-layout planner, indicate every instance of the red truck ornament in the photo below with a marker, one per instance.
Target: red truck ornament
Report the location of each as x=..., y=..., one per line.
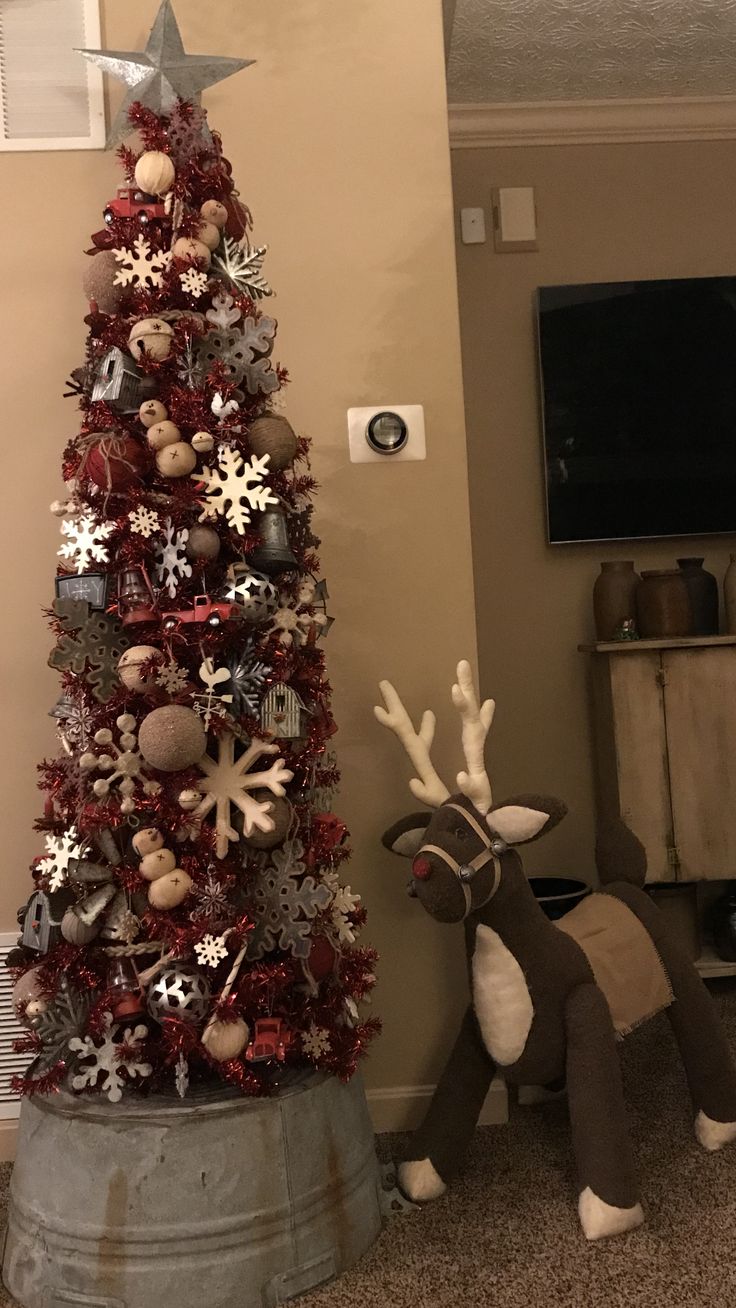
x=132, y=203
x=271, y=1039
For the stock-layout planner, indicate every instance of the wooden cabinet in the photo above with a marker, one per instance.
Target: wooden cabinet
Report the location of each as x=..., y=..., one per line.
x=665, y=739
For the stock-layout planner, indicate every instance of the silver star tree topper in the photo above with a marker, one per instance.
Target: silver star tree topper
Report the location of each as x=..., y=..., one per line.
x=161, y=74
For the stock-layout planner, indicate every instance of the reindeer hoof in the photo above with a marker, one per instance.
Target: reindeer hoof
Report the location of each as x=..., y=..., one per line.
x=713, y=1135
x=599, y=1219
x=420, y=1182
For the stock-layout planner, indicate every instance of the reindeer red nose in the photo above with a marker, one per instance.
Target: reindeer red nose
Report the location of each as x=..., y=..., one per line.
x=421, y=868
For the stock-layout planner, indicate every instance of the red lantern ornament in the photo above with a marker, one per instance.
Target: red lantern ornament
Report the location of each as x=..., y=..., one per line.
x=113, y=461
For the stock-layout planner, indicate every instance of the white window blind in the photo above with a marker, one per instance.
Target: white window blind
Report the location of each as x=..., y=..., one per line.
x=50, y=97
x=10, y=1029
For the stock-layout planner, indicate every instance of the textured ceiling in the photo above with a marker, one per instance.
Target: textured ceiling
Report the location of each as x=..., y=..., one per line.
x=511, y=50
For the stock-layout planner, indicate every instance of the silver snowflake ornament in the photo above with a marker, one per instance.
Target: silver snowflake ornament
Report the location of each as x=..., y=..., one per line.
x=284, y=903
x=242, y=266
x=212, y=902
x=248, y=675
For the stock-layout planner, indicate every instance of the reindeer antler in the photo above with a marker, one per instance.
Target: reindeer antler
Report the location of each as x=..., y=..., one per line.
x=428, y=787
x=476, y=724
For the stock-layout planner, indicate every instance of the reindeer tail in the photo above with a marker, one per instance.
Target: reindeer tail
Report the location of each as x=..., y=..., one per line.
x=619, y=854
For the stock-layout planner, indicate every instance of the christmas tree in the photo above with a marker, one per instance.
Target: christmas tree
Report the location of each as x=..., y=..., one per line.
x=187, y=921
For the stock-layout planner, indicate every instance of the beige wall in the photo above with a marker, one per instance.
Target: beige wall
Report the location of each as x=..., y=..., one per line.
x=605, y=213
x=338, y=139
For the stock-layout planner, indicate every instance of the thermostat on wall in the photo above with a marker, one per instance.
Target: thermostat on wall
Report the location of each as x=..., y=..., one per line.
x=386, y=432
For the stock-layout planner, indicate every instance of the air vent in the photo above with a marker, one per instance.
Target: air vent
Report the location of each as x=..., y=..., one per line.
x=50, y=97
x=11, y=1064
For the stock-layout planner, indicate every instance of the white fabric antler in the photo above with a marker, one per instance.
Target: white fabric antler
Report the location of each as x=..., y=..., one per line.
x=427, y=787
x=476, y=724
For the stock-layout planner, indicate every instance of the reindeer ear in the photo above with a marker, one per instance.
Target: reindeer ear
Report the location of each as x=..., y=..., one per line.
x=406, y=836
x=525, y=817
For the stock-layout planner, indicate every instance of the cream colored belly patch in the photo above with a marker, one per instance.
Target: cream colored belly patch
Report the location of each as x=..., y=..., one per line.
x=501, y=997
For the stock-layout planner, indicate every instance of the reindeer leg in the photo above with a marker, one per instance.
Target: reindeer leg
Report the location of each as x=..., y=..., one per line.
x=705, y=1052
x=609, y=1199
x=437, y=1147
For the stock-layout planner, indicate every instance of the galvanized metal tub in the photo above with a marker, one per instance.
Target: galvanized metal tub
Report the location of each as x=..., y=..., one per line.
x=223, y=1202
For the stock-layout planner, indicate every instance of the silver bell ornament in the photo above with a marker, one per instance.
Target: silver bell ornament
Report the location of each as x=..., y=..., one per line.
x=181, y=991
x=273, y=555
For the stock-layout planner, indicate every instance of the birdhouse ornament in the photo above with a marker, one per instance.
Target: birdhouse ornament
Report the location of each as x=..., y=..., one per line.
x=283, y=714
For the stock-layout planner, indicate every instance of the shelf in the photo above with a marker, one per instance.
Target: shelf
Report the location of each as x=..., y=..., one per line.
x=676, y=642
x=709, y=964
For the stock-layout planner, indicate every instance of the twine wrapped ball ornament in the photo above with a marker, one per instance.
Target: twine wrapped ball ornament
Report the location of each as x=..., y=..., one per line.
x=185, y=247
x=203, y=542
x=172, y=738
x=113, y=460
x=77, y=932
x=151, y=338
x=214, y=212
x=152, y=412
x=154, y=172
x=176, y=460
x=98, y=282
x=180, y=990
x=162, y=434
x=274, y=436
x=225, y=1040
x=130, y=667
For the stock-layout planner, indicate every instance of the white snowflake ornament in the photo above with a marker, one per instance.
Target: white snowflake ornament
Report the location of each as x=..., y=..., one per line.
x=234, y=488
x=210, y=950
x=124, y=767
x=172, y=565
x=144, y=521
x=141, y=266
x=85, y=543
x=316, y=1042
x=193, y=282
x=107, y=1066
x=344, y=903
x=61, y=851
x=226, y=784
x=172, y=678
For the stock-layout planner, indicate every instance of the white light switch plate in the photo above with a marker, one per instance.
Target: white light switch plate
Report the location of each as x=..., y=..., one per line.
x=360, y=450
x=472, y=226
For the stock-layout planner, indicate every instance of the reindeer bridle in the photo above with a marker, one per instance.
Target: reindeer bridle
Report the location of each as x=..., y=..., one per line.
x=492, y=848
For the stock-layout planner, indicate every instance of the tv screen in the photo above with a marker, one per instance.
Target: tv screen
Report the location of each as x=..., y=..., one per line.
x=639, y=408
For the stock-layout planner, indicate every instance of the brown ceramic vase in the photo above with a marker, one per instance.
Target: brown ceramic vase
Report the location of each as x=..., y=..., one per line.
x=614, y=597
x=663, y=605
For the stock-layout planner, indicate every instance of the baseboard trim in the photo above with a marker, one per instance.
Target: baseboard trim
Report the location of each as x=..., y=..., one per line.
x=8, y=1138
x=588, y=122
x=402, y=1107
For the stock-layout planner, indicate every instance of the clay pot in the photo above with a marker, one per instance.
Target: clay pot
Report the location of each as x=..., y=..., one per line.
x=702, y=588
x=614, y=597
x=663, y=605
x=729, y=595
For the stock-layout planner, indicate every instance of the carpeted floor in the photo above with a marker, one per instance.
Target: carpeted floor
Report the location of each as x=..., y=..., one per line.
x=507, y=1234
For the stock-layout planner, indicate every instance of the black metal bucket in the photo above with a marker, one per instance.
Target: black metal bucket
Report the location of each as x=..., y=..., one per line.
x=557, y=895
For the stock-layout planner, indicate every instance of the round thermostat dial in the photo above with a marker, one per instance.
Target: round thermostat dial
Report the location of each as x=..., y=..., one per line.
x=387, y=433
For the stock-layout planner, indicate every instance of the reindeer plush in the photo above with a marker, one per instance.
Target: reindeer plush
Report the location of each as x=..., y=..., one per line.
x=548, y=999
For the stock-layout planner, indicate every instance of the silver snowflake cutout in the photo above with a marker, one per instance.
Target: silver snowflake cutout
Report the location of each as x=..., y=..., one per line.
x=85, y=543
x=212, y=902
x=234, y=488
x=61, y=851
x=284, y=902
x=105, y=1065
x=242, y=265
x=224, y=312
x=248, y=674
x=172, y=565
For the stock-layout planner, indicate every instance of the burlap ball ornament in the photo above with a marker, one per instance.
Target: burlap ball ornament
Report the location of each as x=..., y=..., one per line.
x=131, y=664
x=274, y=436
x=113, y=460
x=187, y=248
x=98, y=282
x=280, y=813
x=172, y=738
x=176, y=460
x=154, y=172
x=225, y=1040
x=203, y=542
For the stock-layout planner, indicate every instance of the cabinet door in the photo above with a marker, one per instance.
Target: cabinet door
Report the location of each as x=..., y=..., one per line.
x=700, y=714
x=632, y=753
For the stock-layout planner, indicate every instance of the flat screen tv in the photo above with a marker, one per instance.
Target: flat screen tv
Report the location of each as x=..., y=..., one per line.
x=639, y=408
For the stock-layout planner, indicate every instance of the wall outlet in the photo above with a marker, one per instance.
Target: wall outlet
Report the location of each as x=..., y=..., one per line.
x=387, y=433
